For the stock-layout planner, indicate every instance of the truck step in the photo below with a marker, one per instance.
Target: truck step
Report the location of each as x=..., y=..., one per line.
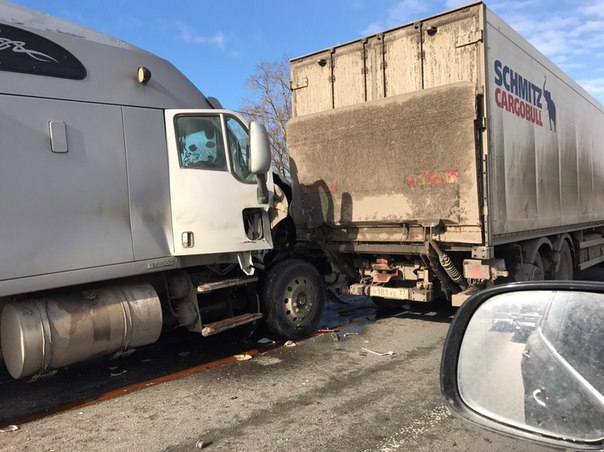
x=211, y=286
x=232, y=322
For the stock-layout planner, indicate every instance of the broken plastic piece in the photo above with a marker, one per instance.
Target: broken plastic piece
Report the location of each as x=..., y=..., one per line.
x=41, y=375
x=123, y=353
x=290, y=344
x=10, y=428
x=243, y=357
x=388, y=353
x=265, y=340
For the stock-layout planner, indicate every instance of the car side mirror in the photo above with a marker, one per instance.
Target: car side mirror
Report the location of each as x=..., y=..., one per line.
x=527, y=360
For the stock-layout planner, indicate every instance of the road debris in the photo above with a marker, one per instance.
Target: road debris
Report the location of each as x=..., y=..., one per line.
x=118, y=373
x=265, y=341
x=266, y=360
x=290, y=344
x=243, y=357
x=123, y=353
x=10, y=428
x=335, y=337
x=201, y=444
x=41, y=376
x=350, y=334
x=388, y=353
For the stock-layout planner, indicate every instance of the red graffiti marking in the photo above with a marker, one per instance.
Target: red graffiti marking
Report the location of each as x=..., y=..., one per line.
x=449, y=176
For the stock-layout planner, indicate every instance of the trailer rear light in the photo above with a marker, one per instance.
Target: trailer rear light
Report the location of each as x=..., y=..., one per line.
x=475, y=269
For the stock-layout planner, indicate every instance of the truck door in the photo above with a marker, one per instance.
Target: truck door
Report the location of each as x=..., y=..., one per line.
x=212, y=193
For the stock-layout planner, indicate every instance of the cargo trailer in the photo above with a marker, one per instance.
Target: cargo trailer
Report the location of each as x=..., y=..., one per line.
x=437, y=157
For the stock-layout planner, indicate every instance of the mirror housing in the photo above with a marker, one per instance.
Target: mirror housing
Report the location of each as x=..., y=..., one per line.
x=260, y=150
x=487, y=376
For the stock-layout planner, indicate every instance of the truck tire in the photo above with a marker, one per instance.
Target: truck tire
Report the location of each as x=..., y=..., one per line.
x=292, y=298
x=565, y=266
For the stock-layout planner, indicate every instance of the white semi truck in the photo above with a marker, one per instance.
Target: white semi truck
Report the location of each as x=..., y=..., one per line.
x=437, y=157
x=130, y=203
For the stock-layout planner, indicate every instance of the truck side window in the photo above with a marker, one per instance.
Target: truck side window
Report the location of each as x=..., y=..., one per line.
x=200, y=142
x=239, y=146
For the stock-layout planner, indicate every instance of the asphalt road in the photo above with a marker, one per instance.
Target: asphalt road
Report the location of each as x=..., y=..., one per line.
x=324, y=394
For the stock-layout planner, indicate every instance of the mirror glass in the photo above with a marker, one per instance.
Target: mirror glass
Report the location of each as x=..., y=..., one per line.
x=535, y=359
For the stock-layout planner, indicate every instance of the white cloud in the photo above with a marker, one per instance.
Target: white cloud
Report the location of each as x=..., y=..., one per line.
x=373, y=28
x=451, y=4
x=595, y=86
x=593, y=8
x=190, y=36
x=129, y=22
x=571, y=35
x=511, y=5
x=401, y=13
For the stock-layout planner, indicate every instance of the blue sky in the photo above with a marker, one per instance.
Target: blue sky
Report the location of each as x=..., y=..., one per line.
x=217, y=44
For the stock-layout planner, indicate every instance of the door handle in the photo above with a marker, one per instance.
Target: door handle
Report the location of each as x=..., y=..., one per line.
x=188, y=239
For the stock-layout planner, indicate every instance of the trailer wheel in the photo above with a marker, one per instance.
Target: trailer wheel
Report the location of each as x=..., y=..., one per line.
x=565, y=266
x=539, y=274
x=292, y=298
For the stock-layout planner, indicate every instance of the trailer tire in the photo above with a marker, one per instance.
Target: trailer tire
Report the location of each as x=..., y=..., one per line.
x=292, y=298
x=539, y=274
x=565, y=266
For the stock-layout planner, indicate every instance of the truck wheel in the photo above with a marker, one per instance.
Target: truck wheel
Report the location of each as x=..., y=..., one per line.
x=292, y=298
x=565, y=267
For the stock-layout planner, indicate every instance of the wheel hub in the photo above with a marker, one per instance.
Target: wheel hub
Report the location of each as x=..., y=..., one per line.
x=298, y=303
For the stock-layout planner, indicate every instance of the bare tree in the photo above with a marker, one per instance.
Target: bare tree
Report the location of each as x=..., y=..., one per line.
x=270, y=103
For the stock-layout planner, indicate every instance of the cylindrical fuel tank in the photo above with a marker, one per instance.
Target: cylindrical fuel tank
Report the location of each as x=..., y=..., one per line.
x=47, y=333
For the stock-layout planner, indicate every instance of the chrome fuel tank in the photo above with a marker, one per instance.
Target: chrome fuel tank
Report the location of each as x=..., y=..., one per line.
x=42, y=334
